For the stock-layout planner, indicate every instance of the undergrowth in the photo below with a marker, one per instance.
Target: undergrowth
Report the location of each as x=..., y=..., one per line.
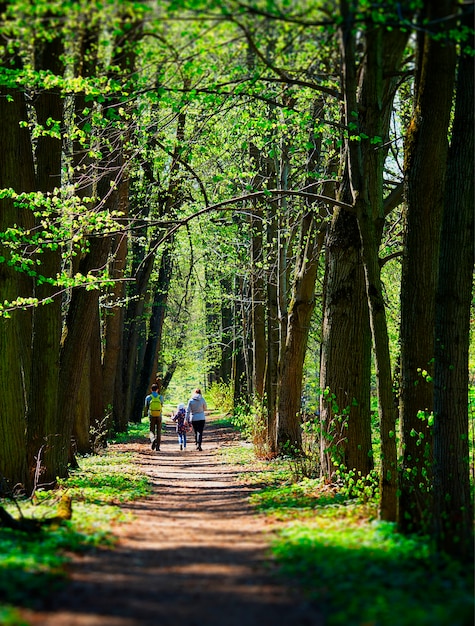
x=360, y=570
x=33, y=564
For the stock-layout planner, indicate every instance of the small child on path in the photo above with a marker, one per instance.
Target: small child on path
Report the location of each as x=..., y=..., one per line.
x=181, y=425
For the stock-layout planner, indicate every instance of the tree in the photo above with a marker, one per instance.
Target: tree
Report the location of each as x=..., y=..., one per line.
x=15, y=333
x=368, y=87
x=425, y=165
x=46, y=331
x=453, y=507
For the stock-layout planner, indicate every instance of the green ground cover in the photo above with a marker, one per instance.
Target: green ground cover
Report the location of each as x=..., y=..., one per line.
x=361, y=571
x=32, y=564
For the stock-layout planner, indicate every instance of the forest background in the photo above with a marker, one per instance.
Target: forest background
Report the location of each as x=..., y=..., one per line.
x=269, y=199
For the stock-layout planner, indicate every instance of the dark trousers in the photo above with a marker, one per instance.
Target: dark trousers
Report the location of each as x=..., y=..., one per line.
x=156, y=429
x=198, y=428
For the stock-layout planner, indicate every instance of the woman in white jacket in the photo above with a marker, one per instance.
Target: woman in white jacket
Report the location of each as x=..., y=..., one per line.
x=195, y=414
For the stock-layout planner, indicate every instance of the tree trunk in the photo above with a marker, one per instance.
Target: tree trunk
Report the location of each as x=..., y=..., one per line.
x=79, y=324
x=425, y=172
x=366, y=175
x=258, y=291
x=225, y=365
x=81, y=443
x=273, y=336
x=114, y=317
x=345, y=369
x=302, y=302
x=15, y=333
x=453, y=507
x=42, y=426
x=300, y=313
x=368, y=96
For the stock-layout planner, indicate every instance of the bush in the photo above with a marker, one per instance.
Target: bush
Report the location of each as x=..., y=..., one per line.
x=221, y=396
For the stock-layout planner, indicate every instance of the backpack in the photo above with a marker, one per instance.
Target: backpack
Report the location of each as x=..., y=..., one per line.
x=155, y=406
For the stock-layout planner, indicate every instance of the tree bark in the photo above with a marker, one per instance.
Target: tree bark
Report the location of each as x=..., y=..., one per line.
x=15, y=333
x=300, y=312
x=80, y=323
x=368, y=97
x=425, y=165
x=453, y=506
x=345, y=363
x=42, y=426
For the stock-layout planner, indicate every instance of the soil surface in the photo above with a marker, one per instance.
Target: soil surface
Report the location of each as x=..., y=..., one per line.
x=195, y=553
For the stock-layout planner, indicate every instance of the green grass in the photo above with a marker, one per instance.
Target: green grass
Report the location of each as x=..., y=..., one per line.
x=33, y=564
x=360, y=570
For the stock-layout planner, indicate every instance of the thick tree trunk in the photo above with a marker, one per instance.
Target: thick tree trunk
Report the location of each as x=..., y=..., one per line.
x=453, y=506
x=42, y=426
x=81, y=443
x=292, y=360
x=366, y=176
x=148, y=371
x=80, y=323
x=345, y=370
x=114, y=317
x=15, y=333
x=425, y=165
x=369, y=95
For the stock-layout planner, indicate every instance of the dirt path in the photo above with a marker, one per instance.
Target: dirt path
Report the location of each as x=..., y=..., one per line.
x=195, y=554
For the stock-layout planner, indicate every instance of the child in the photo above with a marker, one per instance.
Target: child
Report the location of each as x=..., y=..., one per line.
x=181, y=425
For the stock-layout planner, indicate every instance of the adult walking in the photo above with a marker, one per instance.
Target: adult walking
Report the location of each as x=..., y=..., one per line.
x=195, y=413
x=153, y=408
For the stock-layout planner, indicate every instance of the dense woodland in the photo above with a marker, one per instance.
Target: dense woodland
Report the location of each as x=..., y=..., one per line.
x=280, y=192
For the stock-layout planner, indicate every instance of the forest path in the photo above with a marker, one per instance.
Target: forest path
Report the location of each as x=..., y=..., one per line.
x=195, y=553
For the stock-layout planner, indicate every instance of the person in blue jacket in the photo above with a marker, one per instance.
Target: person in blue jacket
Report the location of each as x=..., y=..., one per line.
x=195, y=413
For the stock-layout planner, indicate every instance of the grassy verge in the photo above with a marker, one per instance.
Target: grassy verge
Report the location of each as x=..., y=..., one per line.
x=360, y=570
x=34, y=564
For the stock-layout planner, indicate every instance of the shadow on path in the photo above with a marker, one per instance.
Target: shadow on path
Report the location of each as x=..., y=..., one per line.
x=194, y=554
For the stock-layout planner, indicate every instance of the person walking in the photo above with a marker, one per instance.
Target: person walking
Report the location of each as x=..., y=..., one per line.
x=181, y=425
x=195, y=412
x=153, y=408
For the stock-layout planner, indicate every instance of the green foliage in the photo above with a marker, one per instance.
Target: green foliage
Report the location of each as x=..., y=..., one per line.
x=296, y=499
x=356, y=568
x=221, y=396
x=33, y=564
x=238, y=455
x=365, y=572
x=134, y=431
x=107, y=478
x=305, y=463
x=243, y=420
x=10, y=617
x=356, y=486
